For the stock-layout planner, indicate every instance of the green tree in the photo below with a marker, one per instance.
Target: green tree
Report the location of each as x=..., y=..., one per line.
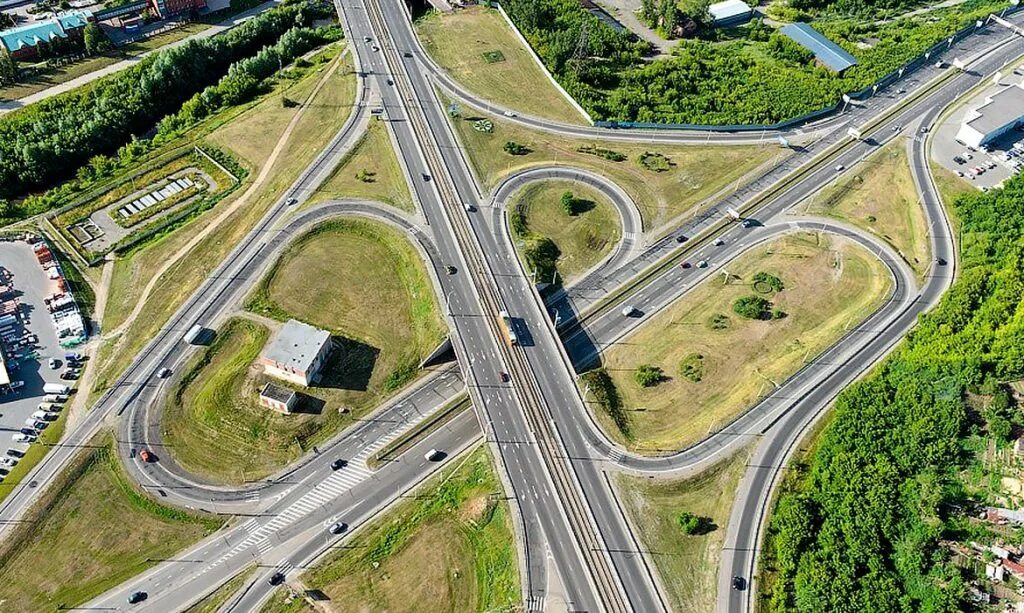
x=694, y=524
x=8, y=68
x=752, y=307
x=96, y=40
x=568, y=202
x=647, y=375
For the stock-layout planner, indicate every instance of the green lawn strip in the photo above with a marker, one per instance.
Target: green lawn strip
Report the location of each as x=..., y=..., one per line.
x=400, y=445
x=480, y=51
x=459, y=521
x=830, y=285
x=580, y=239
x=693, y=173
x=370, y=171
x=213, y=602
x=687, y=564
x=91, y=531
x=881, y=197
x=283, y=601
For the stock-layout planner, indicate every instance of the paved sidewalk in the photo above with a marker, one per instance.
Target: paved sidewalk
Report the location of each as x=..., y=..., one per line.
x=227, y=24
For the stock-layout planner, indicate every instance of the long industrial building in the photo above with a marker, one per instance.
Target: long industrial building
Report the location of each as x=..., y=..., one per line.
x=1000, y=113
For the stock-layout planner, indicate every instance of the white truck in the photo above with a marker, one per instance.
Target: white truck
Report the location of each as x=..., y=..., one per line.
x=56, y=388
x=193, y=334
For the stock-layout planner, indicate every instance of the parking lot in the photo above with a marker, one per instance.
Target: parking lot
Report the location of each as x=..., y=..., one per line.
x=28, y=286
x=985, y=168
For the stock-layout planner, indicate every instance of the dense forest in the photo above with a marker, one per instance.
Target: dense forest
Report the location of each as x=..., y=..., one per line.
x=48, y=141
x=752, y=76
x=859, y=530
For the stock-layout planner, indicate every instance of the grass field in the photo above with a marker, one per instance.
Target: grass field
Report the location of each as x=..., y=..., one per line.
x=370, y=171
x=213, y=602
x=479, y=50
x=354, y=277
x=881, y=198
x=49, y=77
x=327, y=113
x=688, y=174
x=583, y=239
x=830, y=285
x=281, y=601
x=92, y=532
x=686, y=564
x=449, y=545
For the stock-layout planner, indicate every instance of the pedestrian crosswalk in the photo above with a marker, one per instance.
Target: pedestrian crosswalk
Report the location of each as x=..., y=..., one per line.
x=258, y=534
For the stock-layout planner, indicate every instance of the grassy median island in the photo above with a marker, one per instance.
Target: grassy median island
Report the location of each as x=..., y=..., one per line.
x=90, y=532
x=356, y=278
x=479, y=50
x=686, y=563
x=666, y=181
x=714, y=361
x=215, y=599
x=581, y=238
x=369, y=171
x=449, y=545
x=262, y=123
x=881, y=198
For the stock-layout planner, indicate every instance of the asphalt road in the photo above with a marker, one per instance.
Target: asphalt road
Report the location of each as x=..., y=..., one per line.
x=543, y=526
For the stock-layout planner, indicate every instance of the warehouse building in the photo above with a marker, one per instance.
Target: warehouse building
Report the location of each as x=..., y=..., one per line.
x=995, y=117
x=297, y=354
x=729, y=13
x=826, y=52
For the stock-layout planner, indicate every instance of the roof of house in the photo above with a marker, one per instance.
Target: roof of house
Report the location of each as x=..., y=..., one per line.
x=728, y=9
x=31, y=34
x=297, y=345
x=826, y=51
x=278, y=393
x=999, y=109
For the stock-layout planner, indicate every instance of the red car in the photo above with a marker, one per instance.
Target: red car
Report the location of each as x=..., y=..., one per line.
x=145, y=455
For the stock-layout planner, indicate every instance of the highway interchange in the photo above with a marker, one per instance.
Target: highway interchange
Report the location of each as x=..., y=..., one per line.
x=554, y=459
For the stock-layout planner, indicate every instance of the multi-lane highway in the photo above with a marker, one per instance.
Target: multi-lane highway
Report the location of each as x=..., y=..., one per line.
x=553, y=457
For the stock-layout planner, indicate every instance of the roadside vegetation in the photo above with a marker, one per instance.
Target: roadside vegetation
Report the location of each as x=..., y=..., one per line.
x=265, y=123
x=666, y=181
x=48, y=73
x=90, y=532
x=881, y=198
x=745, y=75
x=370, y=171
x=880, y=514
x=479, y=50
x=458, y=521
x=682, y=526
x=696, y=365
x=563, y=229
x=50, y=141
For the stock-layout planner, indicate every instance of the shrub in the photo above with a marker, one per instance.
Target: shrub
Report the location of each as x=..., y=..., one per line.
x=605, y=394
x=766, y=282
x=692, y=367
x=719, y=321
x=514, y=148
x=647, y=375
x=752, y=307
x=694, y=524
x=568, y=203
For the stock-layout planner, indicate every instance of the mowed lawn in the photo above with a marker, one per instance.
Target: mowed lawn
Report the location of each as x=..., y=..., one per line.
x=355, y=278
x=830, y=285
x=690, y=174
x=880, y=197
x=479, y=50
x=370, y=171
x=583, y=239
x=326, y=114
x=686, y=563
x=448, y=547
x=92, y=532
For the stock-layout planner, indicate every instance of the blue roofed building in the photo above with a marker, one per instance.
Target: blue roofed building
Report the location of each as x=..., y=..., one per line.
x=825, y=51
x=23, y=42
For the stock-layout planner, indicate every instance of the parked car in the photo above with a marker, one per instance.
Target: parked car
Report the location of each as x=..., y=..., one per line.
x=21, y=437
x=54, y=363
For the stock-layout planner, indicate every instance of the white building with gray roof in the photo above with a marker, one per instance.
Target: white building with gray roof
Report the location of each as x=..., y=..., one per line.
x=297, y=353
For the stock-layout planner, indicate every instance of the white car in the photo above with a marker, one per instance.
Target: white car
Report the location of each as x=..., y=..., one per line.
x=44, y=416
x=628, y=310
x=21, y=437
x=509, y=114
x=8, y=461
x=432, y=455
x=163, y=373
x=840, y=168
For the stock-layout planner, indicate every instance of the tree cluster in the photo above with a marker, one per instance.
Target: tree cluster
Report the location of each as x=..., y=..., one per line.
x=860, y=530
x=48, y=141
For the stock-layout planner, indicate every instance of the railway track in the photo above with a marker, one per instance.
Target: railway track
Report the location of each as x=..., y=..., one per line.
x=525, y=386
